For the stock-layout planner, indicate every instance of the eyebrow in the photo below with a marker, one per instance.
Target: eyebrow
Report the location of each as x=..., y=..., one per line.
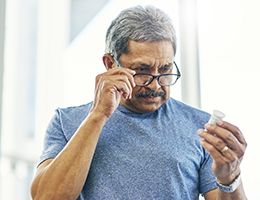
x=168, y=64
x=139, y=65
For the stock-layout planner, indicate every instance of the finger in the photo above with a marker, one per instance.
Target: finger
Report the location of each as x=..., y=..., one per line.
x=119, y=74
x=125, y=82
x=108, y=85
x=121, y=81
x=123, y=87
x=215, y=154
x=219, y=157
x=224, y=134
x=217, y=142
x=235, y=130
x=131, y=77
x=124, y=72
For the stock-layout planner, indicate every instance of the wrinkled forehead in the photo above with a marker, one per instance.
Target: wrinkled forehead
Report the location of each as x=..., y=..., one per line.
x=154, y=53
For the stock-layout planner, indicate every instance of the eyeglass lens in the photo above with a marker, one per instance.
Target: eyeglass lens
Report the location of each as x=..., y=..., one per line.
x=163, y=80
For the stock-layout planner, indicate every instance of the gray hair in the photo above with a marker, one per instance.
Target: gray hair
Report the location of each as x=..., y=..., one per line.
x=138, y=24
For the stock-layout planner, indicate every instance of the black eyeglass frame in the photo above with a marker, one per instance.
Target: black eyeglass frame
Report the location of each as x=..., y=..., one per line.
x=154, y=76
x=157, y=77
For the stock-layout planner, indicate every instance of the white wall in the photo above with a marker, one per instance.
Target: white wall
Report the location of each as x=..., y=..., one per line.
x=230, y=69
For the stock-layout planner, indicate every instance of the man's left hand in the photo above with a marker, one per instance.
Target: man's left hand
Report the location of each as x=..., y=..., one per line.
x=226, y=144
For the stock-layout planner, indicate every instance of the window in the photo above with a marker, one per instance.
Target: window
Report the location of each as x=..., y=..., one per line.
x=229, y=42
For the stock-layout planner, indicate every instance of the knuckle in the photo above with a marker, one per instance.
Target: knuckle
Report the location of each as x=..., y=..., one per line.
x=229, y=136
x=108, y=89
x=219, y=143
x=234, y=159
x=230, y=139
x=242, y=153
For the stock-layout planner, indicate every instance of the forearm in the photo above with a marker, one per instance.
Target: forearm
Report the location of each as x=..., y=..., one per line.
x=64, y=177
x=238, y=194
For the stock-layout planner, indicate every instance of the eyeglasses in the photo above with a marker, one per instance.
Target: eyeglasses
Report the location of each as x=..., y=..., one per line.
x=163, y=79
x=142, y=79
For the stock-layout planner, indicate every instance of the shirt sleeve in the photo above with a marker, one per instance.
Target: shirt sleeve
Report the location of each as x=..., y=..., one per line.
x=54, y=140
x=207, y=180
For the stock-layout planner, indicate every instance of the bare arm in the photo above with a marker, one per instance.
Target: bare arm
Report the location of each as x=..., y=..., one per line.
x=63, y=177
x=219, y=195
x=238, y=194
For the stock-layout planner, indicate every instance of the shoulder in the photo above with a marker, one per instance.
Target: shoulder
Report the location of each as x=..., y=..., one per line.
x=186, y=111
x=74, y=111
x=72, y=116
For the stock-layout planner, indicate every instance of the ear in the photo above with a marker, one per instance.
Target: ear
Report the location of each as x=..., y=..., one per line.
x=108, y=61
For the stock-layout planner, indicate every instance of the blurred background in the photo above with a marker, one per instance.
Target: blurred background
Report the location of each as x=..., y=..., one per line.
x=50, y=53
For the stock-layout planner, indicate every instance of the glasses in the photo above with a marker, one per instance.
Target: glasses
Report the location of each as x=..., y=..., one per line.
x=163, y=79
x=142, y=79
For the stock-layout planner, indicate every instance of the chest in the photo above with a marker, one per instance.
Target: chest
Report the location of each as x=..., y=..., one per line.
x=150, y=144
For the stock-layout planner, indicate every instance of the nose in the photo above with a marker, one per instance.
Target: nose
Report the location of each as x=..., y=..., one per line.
x=154, y=84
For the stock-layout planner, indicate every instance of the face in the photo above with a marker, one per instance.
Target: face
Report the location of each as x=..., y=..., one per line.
x=150, y=58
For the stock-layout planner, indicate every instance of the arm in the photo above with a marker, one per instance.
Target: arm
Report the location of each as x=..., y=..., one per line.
x=64, y=176
x=238, y=194
x=219, y=195
x=54, y=177
x=226, y=145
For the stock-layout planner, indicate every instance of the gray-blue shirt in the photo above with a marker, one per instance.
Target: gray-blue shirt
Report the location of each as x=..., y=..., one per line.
x=153, y=155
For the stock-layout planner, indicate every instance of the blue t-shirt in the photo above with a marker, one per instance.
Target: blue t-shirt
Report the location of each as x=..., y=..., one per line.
x=154, y=155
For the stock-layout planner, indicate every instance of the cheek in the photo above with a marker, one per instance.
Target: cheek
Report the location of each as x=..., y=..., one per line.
x=137, y=89
x=166, y=90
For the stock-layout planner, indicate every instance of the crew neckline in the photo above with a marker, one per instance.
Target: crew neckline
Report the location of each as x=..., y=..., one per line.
x=124, y=110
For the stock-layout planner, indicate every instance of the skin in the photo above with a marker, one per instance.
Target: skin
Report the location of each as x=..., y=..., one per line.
x=151, y=59
x=226, y=165
x=63, y=177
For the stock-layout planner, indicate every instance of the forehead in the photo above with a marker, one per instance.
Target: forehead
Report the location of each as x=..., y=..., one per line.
x=160, y=52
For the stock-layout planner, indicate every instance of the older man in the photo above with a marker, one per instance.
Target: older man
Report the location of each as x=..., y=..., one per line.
x=133, y=141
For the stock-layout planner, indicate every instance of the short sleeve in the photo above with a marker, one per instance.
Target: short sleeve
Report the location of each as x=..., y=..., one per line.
x=54, y=140
x=207, y=180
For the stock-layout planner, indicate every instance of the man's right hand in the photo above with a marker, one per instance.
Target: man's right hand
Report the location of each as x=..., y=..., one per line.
x=110, y=87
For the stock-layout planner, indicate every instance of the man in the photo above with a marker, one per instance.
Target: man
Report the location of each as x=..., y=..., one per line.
x=134, y=141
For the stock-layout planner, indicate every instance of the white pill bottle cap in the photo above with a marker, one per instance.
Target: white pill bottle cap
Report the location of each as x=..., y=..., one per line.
x=216, y=117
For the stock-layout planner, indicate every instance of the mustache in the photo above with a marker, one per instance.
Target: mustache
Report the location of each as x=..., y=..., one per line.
x=150, y=93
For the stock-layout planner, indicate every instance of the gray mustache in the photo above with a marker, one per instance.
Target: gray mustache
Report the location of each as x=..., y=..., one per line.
x=150, y=93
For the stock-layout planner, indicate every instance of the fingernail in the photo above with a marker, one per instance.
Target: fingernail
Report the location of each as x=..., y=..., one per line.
x=200, y=131
x=219, y=122
x=207, y=126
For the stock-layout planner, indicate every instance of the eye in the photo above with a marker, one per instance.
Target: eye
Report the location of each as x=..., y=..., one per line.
x=143, y=69
x=165, y=69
